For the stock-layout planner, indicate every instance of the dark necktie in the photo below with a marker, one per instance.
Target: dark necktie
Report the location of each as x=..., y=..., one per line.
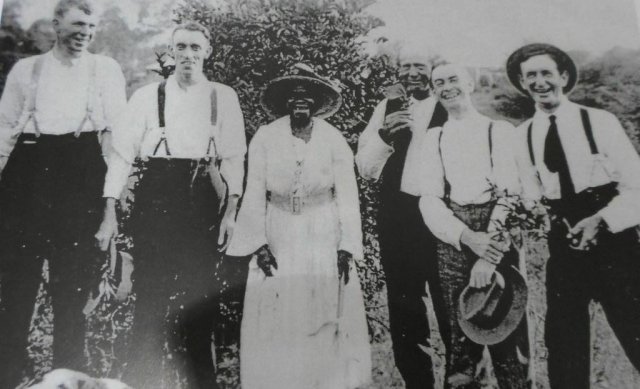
x=556, y=160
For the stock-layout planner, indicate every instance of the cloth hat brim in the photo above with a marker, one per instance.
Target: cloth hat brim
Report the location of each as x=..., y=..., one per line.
x=513, y=317
x=275, y=95
x=531, y=50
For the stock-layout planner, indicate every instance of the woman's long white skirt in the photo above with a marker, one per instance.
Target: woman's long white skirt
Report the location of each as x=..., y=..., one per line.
x=291, y=334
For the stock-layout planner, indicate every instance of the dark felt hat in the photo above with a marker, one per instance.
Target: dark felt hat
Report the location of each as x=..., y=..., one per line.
x=490, y=314
x=275, y=95
x=562, y=59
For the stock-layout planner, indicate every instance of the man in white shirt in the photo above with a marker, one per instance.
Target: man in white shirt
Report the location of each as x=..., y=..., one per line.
x=467, y=164
x=582, y=163
x=189, y=133
x=56, y=114
x=387, y=150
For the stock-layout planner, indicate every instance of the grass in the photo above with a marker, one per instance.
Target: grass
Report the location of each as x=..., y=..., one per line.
x=610, y=368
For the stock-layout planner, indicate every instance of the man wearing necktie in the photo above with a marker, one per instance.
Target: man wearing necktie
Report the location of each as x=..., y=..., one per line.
x=581, y=163
x=389, y=151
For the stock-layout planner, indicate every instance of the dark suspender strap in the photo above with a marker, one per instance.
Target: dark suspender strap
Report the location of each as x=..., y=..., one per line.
x=214, y=120
x=586, y=124
x=161, y=101
x=490, y=144
x=447, y=186
x=530, y=143
x=214, y=106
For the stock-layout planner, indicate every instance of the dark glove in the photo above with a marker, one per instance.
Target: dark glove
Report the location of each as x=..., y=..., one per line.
x=266, y=260
x=344, y=265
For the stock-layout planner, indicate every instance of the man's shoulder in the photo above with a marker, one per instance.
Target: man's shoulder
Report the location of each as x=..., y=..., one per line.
x=223, y=89
x=595, y=113
x=147, y=91
x=25, y=65
x=502, y=125
x=524, y=126
x=106, y=62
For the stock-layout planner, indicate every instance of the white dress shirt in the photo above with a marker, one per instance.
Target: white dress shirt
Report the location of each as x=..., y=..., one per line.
x=467, y=165
x=61, y=98
x=373, y=152
x=188, y=131
x=617, y=160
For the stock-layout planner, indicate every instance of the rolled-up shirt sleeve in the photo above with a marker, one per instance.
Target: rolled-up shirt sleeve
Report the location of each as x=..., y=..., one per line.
x=114, y=98
x=624, y=210
x=250, y=231
x=127, y=136
x=373, y=152
x=437, y=216
x=233, y=142
x=11, y=106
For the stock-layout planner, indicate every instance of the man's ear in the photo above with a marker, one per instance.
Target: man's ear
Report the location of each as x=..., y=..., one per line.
x=209, y=51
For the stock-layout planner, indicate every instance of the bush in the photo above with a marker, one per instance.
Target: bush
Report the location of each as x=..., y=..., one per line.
x=257, y=41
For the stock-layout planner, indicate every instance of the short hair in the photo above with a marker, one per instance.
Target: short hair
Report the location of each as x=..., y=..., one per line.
x=63, y=6
x=192, y=25
x=463, y=69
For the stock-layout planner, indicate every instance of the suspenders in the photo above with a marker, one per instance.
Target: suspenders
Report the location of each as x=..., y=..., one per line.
x=586, y=125
x=447, y=185
x=30, y=110
x=162, y=97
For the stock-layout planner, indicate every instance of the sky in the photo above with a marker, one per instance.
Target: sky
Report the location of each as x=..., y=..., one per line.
x=485, y=32
x=473, y=32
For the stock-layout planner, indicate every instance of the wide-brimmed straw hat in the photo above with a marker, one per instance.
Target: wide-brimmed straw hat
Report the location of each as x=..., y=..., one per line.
x=563, y=60
x=490, y=314
x=327, y=97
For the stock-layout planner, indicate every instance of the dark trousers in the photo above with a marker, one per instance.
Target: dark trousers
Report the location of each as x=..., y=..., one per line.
x=463, y=355
x=407, y=250
x=174, y=229
x=607, y=273
x=50, y=208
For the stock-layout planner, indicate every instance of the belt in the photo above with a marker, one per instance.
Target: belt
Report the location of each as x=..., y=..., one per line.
x=297, y=204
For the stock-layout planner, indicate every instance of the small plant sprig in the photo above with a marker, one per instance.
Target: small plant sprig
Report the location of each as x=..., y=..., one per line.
x=166, y=69
x=520, y=216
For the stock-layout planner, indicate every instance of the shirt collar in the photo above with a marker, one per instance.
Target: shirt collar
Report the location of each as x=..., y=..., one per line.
x=565, y=106
x=473, y=116
x=201, y=84
x=73, y=61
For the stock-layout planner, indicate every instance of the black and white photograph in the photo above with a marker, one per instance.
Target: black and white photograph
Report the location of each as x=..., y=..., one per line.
x=320, y=194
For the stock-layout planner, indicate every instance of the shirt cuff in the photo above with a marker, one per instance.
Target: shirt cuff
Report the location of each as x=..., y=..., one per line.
x=6, y=148
x=232, y=169
x=455, y=234
x=618, y=218
x=116, y=177
x=373, y=157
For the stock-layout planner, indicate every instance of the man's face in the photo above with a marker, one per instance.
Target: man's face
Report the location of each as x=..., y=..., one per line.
x=75, y=30
x=301, y=106
x=452, y=85
x=190, y=49
x=413, y=73
x=542, y=79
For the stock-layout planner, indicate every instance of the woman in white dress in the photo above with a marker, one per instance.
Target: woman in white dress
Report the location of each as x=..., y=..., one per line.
x=304, y=323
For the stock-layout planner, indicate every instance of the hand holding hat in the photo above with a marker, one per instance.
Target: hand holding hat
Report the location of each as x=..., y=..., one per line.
x=489, y=315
